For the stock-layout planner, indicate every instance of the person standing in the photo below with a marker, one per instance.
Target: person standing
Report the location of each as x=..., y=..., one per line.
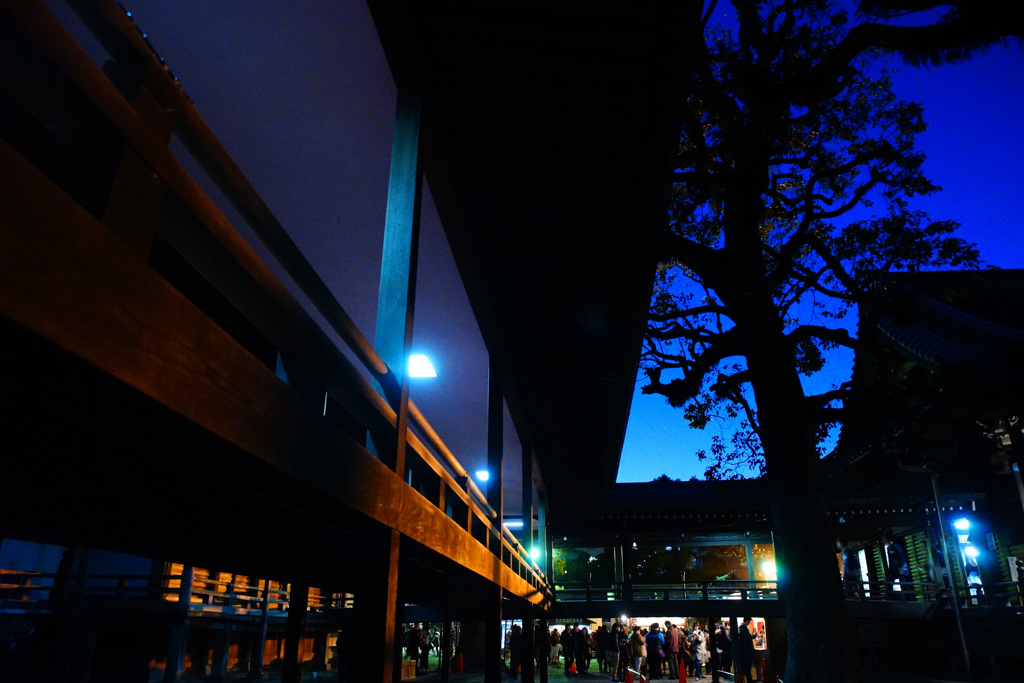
x=424, y=663
x=637, y=649
x=612, y=662
x=568, y=641
x=583, y=650
x=515, y=650
x=601, y=647
x=897, y=569
x=725, y=645
x=655, y=651
x=850, y=566
x=701, y=655
x=745, y=651
x=672, y=650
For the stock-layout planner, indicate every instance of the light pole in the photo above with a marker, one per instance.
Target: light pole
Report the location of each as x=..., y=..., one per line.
x=934, y=477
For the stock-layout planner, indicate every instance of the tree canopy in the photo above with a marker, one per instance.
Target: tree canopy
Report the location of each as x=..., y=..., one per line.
x=793, y=194
x=797, y=170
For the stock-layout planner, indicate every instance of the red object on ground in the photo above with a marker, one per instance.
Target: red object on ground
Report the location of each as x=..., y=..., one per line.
x=629, y=676
x=458, y=663
x=682, y=672
x=572, y=668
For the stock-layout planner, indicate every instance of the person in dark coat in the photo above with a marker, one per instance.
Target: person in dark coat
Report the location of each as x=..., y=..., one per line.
x=725, y=645
x=745, y=651
x=568, y=648
x=515, y=650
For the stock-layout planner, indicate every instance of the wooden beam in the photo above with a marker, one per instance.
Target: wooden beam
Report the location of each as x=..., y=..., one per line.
x=69, y=280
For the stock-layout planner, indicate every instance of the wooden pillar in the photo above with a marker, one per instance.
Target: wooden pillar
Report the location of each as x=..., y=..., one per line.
x=221, y=648
x=378, y=655
x=178, y=640
x=298, y=602
x=396, y=300
x=445, y=657
x=75, y=660
x=543, y=623
x=529, y=644
x=260, y=639
x=527, y=477
x=493, y=637
x=495, y=444
x=542, y=532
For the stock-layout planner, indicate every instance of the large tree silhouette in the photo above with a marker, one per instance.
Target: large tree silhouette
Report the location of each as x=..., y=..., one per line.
x=795, y=176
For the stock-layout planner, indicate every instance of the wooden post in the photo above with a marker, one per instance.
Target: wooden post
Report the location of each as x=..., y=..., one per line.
x=445, y=658
x=378, y=655
x=221, y=649
x=529, y=644
x=178, y=640
x=495, y=444
x=298, y=602
x=260, y=641
x=543, y=623
x=396, y=300
x=493, y=637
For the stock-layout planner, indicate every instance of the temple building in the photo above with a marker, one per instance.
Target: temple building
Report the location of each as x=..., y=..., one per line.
x=215, y=459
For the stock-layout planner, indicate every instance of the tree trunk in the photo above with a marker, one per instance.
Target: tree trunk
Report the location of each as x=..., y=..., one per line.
x=820, y=643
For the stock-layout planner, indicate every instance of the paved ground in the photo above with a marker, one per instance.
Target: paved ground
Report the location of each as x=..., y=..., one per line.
x=556, y=675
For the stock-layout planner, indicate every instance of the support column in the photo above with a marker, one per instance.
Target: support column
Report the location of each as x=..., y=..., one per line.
x=445, y=656
x=493, y=637
x=260, y=640
x=396, y=300
x=376, y=655
x=219, y=666
x=527, y=479
x=542, y=533
x=298, y=602
x=178, y=640
x=529, y=644
x=495, y=444
x=542, y=622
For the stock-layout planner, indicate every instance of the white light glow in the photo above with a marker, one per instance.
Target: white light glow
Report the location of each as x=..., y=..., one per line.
x=513, y=523
x=961, y=524
x=971, y=551
x=420, y=366
x=768, y=567
x=483, y=475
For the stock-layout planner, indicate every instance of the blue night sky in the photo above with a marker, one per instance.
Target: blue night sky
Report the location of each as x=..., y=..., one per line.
x=975, y=153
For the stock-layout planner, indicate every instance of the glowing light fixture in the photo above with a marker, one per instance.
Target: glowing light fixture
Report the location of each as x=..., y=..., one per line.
x=512, y=523
x=770, y=574
x=535, y=553
x=420, y=366
x=971, y=551
x=962, y=524
x=483, y=475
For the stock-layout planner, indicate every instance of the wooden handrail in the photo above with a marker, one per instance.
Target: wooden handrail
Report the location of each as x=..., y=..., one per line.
x=121, y=37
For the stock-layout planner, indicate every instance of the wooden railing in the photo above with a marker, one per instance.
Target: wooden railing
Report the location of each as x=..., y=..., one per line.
x=1006, y=594
x=44, y=592
x=209, y=244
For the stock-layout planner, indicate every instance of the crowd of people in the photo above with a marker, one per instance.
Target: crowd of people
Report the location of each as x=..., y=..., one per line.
x=655, y=652
x=420, y=640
